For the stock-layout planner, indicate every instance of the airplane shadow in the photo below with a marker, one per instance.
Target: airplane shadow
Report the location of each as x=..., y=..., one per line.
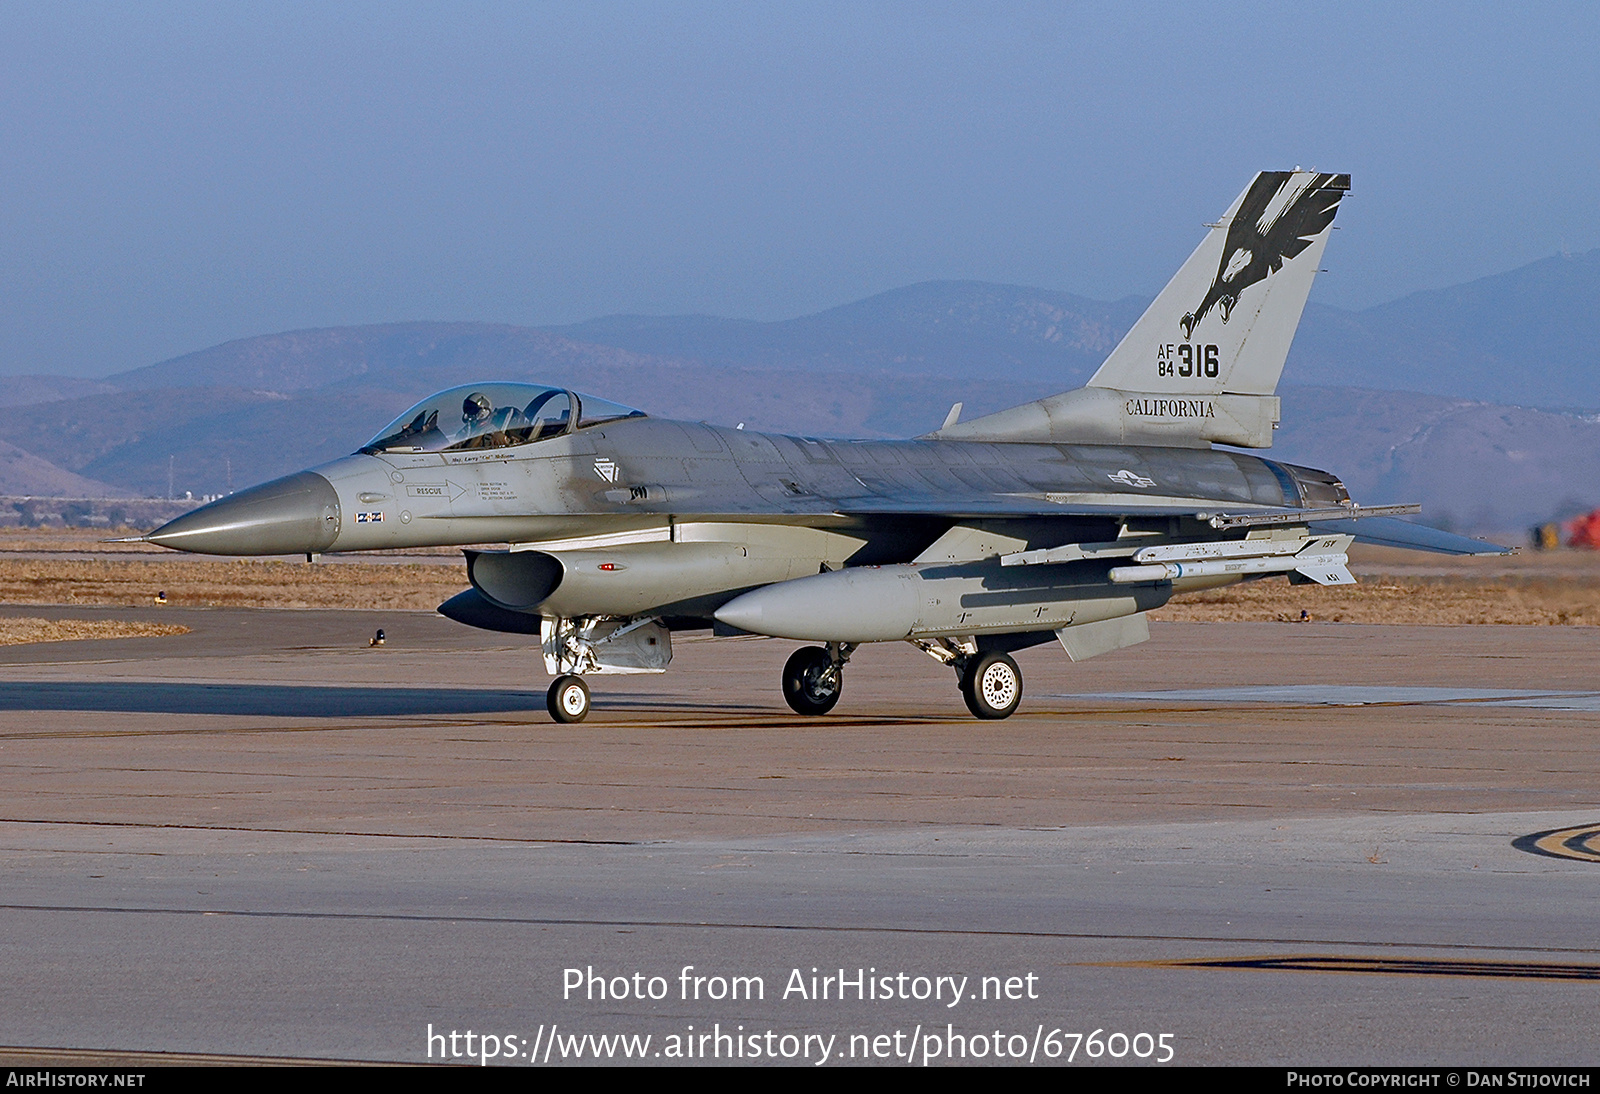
x=311, y=701
x=262, y=700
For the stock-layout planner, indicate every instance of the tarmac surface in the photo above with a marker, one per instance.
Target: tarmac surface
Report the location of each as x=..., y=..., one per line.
x=1271, y=843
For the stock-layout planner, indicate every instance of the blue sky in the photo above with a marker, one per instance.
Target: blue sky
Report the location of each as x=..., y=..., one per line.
x=176, y=175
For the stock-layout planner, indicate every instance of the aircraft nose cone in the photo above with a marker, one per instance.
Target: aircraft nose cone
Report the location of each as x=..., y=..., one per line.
x=298, y=514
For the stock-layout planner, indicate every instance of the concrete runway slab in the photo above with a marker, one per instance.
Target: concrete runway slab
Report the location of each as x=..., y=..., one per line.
x=1275, y=843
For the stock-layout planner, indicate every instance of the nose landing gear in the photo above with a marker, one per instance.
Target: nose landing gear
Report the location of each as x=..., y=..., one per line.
x=594, y=644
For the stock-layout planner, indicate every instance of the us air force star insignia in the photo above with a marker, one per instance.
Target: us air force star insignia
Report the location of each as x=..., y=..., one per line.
x=1128, y=478
x=606, y=470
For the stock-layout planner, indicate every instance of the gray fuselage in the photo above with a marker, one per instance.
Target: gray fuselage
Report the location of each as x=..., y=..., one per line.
x=643, y=516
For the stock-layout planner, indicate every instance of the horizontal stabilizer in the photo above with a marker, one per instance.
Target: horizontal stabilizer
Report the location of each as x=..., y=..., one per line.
x=1392, y=532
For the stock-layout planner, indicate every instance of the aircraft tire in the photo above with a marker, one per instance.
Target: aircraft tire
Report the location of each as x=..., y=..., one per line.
x=992, y=686
x=568, y=699
x=803, y=689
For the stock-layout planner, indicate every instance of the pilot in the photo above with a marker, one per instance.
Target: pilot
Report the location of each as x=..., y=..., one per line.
x=476, y=410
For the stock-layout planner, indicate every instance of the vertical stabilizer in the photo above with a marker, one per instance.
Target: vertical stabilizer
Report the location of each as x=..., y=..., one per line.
x=1224, y=323
x=1201, y=364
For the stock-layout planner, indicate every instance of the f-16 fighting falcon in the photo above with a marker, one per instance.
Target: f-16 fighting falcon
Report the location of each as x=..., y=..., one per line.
x=1066, y=519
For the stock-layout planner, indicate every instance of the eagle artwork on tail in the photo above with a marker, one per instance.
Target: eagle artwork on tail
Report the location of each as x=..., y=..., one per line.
x=1275, y=222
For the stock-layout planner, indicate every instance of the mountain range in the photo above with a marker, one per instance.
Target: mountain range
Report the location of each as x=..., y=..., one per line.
x=1475, y=399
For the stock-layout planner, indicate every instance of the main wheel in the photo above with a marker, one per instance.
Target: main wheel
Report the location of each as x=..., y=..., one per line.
x=992, y=686
x=568, y=699
x=811, y=682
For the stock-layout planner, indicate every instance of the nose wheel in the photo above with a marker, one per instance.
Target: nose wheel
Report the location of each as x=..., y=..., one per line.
x=812, y=680
x=568, y=699
x=992, y=686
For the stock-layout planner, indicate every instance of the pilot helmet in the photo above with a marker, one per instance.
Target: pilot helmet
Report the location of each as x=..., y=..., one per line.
x=476, y=407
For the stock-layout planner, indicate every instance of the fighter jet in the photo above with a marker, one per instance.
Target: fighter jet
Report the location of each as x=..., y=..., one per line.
x=1063, y=520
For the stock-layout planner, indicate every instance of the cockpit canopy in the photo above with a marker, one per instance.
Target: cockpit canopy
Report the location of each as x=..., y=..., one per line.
x=493, y=416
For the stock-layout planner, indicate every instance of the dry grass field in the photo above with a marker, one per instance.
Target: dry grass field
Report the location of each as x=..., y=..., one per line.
x=44, y=566
x=241, y=583
x=1381, y=598
x=1554, y=588
x=77, y=566
x=19, y=630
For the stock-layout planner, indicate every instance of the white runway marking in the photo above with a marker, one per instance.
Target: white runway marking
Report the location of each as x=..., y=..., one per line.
x=1354, y=696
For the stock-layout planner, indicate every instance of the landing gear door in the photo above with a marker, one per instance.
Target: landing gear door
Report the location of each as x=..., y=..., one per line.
x=1088, y=640
x=604, y=645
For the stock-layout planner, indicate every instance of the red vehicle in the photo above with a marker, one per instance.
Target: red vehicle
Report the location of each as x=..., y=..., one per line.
x=1584, y=531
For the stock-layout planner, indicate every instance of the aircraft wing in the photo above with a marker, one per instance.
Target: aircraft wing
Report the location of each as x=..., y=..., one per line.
x=1020, y=505
x=1377, y=525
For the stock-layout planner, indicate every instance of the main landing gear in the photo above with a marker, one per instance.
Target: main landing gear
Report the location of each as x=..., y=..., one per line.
x=992, y=685
x=568, y=699
x=814, y=677
x=991, y=682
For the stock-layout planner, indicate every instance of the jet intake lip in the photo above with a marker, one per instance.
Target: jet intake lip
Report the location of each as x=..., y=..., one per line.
x=515, y=581
x=297, y=514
